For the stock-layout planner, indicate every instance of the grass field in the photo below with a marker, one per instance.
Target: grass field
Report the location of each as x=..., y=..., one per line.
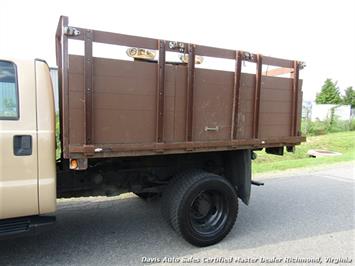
x=343, y=142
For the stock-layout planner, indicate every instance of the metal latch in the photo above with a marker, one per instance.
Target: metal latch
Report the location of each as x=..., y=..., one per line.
x=211, y=128
x=71, y=31
x=177, y=46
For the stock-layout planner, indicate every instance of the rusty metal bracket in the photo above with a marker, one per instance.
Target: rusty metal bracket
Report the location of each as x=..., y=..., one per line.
x=63, y=65
x=294, y=105
x=246, y=56
x=190, y=91
x=88, y=150
x=180, y=46
x=235, y=111
x=160, y=92
x=71, y=31
x=301, y=65
x=88, y=83
x=256, y=104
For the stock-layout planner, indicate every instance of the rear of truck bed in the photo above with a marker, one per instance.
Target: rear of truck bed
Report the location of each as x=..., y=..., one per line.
x=117, y=107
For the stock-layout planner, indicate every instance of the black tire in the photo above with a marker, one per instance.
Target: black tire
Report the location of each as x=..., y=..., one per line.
x=168, y=193
x=201, y=207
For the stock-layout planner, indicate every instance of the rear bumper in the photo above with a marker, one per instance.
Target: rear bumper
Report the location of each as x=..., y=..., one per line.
x=16, y=227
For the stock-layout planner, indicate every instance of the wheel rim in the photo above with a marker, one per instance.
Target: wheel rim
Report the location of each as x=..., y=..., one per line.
x=208, y=212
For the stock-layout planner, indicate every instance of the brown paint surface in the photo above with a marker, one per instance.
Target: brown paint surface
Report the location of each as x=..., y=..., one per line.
x=125, y=104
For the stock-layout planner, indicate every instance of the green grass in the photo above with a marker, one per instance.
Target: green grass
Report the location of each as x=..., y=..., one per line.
x=341, y=142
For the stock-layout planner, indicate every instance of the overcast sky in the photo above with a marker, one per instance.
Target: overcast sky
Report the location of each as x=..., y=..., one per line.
x=321, y=33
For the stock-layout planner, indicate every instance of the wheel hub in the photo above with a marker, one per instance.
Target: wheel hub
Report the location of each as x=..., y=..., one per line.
x=208, y=212
x=202, y=206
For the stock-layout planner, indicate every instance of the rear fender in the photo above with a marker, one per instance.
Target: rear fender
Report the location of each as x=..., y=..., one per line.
x=238, y=171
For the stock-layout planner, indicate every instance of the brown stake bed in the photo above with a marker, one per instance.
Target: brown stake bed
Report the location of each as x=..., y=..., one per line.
x=111, y=107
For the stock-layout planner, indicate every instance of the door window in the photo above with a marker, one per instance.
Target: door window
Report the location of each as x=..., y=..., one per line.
x=8, y=91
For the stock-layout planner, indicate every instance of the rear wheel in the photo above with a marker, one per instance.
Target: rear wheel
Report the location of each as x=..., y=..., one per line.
x=201, y=207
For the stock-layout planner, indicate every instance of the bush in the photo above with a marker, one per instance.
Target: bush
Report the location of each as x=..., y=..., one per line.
x=352, y=125
x=313, y=128
x=57, y=130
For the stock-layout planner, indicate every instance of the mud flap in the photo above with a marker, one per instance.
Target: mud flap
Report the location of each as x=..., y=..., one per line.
x=238, y=171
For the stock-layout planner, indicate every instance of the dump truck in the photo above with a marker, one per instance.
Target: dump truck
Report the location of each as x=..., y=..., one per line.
x=145, y=124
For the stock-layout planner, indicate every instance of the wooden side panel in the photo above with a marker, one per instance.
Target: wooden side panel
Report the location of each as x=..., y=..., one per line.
x=76, y=100
x=127, y=108
x=169, y=104
x=213, y=100
x=179, y=103
x=125, y=103
x=299, y=109
x=245, y=112
x=275, y=107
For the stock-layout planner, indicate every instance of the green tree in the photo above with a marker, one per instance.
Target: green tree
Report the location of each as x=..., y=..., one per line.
x=349, y=97
x=329, y=93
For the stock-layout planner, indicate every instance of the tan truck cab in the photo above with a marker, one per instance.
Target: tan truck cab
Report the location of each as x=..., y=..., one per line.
x=27, y=142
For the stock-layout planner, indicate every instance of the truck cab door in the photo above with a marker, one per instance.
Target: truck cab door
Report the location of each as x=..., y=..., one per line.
x=18, y=140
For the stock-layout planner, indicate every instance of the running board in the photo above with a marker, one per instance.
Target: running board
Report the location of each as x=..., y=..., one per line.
x=23, y=226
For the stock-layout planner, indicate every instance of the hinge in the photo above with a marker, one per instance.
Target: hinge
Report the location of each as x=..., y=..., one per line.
x=248, y=57
x=301, y=65
x=177, y=46
x=71, y=31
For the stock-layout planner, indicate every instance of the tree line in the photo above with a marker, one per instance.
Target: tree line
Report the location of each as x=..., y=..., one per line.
x=330, y=94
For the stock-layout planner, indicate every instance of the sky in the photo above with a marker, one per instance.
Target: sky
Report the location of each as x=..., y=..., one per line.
x=320, y=33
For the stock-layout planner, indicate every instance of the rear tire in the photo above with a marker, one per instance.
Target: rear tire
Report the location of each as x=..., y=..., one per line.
x=201, y=207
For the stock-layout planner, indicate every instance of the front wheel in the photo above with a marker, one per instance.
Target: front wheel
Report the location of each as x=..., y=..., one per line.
x=200, y=206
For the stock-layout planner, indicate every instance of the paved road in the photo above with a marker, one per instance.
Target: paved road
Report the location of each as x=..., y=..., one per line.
x=302, y=215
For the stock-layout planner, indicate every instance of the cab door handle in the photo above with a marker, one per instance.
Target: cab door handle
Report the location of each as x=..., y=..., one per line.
x=22, y=145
